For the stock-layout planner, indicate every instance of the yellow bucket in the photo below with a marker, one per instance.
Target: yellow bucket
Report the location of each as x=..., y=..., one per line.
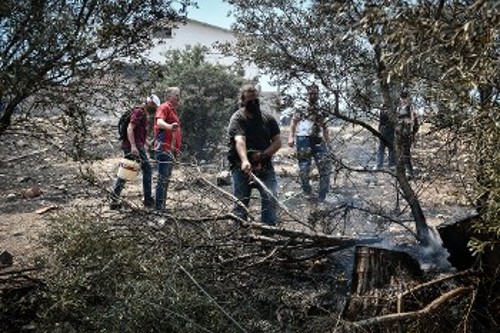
x=128, y=169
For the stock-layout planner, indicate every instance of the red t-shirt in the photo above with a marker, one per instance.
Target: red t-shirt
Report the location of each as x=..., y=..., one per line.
x=164, y=138
x=139, y=118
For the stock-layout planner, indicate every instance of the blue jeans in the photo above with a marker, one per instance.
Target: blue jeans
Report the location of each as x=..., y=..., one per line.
x=242, y=189
x=380, y=155
x=407, y=143
x=146, y=175
x=306, y=151
x=165, y=165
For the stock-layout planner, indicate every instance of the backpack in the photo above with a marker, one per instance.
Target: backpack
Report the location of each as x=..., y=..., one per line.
x=124, y=121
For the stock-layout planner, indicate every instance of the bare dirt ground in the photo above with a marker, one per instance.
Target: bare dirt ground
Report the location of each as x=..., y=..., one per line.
x=25, y=164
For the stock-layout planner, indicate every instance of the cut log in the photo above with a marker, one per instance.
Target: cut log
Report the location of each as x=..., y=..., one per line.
x=455, y=235
x=374, y=269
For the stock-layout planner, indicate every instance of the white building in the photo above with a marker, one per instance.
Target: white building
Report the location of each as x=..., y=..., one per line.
x=193, y=33
x=197, y=33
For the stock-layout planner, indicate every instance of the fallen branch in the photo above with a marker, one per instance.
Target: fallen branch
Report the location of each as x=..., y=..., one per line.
x=399, y=317
x=13, y=159
x=263, y=186
x=316, y=237
x=225, y=193
x=433, y=282
x=223, y=217
x=401, y=296
x=46, y=209
x=236, y=323
x=19, y=271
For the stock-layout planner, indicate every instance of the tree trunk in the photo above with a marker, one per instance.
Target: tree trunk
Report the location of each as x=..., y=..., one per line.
x=456, y=236
x=423, y=234
x=374, y=269
x=5, y=118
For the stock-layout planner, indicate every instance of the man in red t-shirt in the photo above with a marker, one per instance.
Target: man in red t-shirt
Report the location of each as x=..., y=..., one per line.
x=167, y=142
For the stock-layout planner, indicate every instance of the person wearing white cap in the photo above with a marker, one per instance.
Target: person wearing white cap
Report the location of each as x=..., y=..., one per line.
x=134, y=147
x=155, y=100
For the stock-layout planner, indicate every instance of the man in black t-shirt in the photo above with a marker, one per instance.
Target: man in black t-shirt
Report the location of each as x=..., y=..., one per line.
x=254, y=137
x=386, y=130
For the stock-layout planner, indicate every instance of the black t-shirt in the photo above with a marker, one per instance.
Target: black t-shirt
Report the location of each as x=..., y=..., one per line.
x=386, y=126
x=258, y=132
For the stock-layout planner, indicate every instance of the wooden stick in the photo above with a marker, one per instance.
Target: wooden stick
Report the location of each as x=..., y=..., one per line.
x=25, y=155
x=399, y=317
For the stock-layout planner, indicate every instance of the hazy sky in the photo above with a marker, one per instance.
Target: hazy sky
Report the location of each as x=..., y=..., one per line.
x=215, y=12
x=212, y=12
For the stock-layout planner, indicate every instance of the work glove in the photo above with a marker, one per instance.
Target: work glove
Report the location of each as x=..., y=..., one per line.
x=258, y=158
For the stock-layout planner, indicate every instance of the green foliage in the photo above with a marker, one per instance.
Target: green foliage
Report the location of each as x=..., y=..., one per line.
x=110, y=278
x=125, y=275
x=208, y=92
x=484, y=128
x=445, y=52
x=65, y=58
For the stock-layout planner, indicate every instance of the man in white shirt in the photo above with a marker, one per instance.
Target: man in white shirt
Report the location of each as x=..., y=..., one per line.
x=309, y=133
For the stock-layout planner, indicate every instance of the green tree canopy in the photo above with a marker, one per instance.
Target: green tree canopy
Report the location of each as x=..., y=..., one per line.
x=66, y=56
x=444, y=51
x=208, y=91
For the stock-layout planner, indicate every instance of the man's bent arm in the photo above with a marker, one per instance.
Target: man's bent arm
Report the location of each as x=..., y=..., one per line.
x=241, y=148
x=275, y=145
x=293, y=128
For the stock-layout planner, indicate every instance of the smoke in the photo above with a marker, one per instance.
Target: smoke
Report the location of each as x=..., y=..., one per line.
x=434, y=255
x=431, y=257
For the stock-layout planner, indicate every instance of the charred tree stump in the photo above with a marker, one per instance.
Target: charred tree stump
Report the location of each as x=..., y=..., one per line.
x=456, y=235
x=375, y=269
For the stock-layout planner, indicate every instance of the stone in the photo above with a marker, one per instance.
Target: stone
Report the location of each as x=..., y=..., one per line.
x=32, y=192
x=6, y=259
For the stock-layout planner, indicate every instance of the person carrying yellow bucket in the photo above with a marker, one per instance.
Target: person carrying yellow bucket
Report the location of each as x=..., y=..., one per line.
x=133, y=145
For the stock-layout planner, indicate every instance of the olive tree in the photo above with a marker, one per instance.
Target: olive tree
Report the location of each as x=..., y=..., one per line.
x=208, y=92
x=364, y=52
x=71, y=58
x=299, y=42
x=453, y=48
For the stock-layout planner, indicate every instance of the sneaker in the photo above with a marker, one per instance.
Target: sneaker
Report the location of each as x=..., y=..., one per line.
x=329, y=200
x=307, y=196
x=149, y=203
x=377, y=168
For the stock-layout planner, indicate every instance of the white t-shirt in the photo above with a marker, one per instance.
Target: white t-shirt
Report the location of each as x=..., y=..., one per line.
x=304, y=128
x=305, y=125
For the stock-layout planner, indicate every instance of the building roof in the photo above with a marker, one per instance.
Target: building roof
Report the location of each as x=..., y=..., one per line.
x=209, y=25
